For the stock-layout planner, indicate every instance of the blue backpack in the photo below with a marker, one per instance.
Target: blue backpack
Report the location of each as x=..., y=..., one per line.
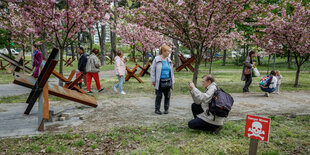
x=221, y=103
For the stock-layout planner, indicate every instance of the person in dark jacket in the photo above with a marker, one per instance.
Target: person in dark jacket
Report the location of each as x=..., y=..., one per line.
x=82, y=63
x=248, y=65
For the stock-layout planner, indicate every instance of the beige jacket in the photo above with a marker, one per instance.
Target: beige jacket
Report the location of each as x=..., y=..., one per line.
x=93, y=64
x=204, y=99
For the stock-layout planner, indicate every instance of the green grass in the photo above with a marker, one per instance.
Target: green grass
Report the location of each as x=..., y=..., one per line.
x=23, y=98
x=288, y=136
x=227, y=77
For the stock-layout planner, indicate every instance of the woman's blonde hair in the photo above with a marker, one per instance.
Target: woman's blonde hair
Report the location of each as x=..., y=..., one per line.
x=164, y=47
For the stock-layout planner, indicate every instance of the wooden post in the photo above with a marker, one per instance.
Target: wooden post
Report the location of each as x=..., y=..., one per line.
x=253, y=146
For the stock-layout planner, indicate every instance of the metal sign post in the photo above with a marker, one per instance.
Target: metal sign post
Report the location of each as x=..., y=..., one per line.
x=256, y=128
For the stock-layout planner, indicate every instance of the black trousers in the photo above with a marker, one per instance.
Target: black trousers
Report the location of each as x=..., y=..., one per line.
x=198, y=123
x=159, y=94
x=248, y=81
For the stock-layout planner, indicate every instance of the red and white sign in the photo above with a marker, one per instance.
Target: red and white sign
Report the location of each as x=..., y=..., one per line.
x=257, y=128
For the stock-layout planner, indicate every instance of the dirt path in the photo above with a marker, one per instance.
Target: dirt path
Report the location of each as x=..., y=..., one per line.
x=130, y=110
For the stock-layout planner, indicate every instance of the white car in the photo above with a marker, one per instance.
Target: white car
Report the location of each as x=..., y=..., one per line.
x=5, y=51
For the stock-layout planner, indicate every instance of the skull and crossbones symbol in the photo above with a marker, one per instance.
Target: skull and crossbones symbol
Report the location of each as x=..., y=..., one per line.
x=256, y=130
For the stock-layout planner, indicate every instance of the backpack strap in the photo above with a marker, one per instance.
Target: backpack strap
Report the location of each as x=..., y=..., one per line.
x=269, y=80
x=213, y=98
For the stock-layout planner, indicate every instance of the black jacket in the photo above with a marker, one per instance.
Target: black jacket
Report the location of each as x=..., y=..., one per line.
x=82, y=63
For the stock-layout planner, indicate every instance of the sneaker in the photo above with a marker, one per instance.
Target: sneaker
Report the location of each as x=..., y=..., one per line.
x=114, y=88
x=267, y=94
x=123, y=93
x=89, y=92
x=100, y=90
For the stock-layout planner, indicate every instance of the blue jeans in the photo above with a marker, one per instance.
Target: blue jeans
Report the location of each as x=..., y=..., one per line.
x=119, y=85
x=268, y=90
x=278, y=88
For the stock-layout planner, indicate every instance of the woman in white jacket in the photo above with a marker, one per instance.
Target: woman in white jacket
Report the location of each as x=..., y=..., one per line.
x=120, y=71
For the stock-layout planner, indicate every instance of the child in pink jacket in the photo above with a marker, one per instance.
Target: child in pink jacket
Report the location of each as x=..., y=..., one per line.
x=120, y=71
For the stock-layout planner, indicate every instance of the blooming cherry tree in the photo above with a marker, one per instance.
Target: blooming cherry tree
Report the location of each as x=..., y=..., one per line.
x=140, y=37
x=286, y=28
x=19, y=27
x=194, y=23
x=62, y=24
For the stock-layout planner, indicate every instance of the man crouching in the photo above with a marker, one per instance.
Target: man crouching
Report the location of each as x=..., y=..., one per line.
x=203, y=121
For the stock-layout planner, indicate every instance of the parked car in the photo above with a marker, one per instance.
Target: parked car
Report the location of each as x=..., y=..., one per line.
x=187, y=56
x=5, y=51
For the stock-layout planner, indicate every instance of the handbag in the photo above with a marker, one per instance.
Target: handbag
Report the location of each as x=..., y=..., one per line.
x=247, y=71
x=165, y=83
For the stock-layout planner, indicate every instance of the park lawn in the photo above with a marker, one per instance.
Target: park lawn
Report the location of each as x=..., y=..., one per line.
x=289, y=135
x=229, y=80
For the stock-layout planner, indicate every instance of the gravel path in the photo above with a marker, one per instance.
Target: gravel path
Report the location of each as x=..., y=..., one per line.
x=135, y=110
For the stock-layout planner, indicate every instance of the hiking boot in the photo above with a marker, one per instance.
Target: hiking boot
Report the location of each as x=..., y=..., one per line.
x=158, y=112
x=114, y=89
x=123, y=93
x=100, y=90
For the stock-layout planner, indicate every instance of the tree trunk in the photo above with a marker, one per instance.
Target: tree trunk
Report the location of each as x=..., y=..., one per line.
x=134, y=53
x=244, y=51
x=297, y=76
x=176, y=53
x=274, y=62
x=44, y=47
x=60, y=83
x=102, y=44
x=258, y=59
x=289, y=59
x=146, y=58
x=224, y=58
x=72, y=51
x=113, y=35
x=269, y=57
x=91, y=41
x=113, y=45
x=66, y=53
x=211, y=60
x=77, y=54
x=299, y=63
x=78, y=46
x=197, y=64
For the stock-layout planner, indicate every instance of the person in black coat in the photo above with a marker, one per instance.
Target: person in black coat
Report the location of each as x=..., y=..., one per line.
x=82, y=63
